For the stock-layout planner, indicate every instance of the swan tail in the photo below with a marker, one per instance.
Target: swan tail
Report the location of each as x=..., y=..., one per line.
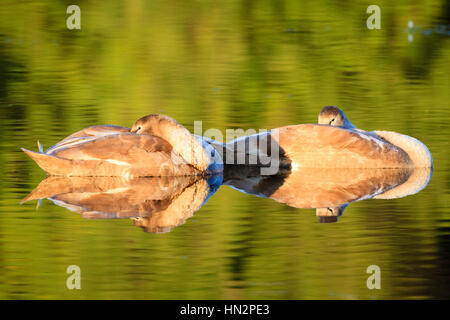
x=50, y=164
x=416, y=150
x=40, y=147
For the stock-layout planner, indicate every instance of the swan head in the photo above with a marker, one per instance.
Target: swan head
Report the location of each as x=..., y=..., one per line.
x=334, y=116
x=153, y=123
x=193, y=150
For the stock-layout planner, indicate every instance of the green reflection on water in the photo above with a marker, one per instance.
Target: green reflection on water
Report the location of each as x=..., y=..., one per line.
x=249, y=64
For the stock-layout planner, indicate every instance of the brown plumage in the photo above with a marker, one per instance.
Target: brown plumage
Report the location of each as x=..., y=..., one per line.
x=339, y=145
x=334, y=117
x=200, y=155
x=318, y=146
x=420, y=156
x=128, y=155
x=165, y=149
x=156, y=204
x=324, y=146
x=86, y=134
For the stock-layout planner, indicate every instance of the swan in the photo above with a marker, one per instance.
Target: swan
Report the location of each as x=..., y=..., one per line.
x=336, y=143
x=318, y=146
x=332, y=143
x=156, y=145
x=416, y=150
x=419, y=154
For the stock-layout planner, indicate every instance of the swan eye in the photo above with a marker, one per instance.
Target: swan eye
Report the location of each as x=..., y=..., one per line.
x=139, y=128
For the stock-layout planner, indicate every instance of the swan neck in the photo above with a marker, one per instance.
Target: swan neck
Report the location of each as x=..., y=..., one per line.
x=193, y=149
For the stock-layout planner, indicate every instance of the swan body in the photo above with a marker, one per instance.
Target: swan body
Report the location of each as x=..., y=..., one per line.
x=157, y=145
x=119, y=151
x=418, y=153
x=421, y=159
x=332, y=143
x=322, y=146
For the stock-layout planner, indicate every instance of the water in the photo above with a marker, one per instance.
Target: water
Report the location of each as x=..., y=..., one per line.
x=243, y=65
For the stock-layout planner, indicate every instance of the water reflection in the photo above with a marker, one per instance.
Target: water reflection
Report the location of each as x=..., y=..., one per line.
x=329, y=190
x=231, y=65
x=161, y=203
x=155, y=204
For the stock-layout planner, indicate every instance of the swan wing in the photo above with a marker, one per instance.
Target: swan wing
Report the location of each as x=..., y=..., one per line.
x=323, y=146
x=118, y=148
x=88, y=134
x=126, y=154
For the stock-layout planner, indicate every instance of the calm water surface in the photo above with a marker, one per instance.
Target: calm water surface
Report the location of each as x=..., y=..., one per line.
x=251, y=64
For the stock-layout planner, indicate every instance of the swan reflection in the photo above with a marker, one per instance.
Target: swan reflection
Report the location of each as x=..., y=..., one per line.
x=329, y=190
x=159, y=204
x=155, y=204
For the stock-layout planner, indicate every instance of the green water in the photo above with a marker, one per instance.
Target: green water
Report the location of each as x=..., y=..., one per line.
x=231, y=64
